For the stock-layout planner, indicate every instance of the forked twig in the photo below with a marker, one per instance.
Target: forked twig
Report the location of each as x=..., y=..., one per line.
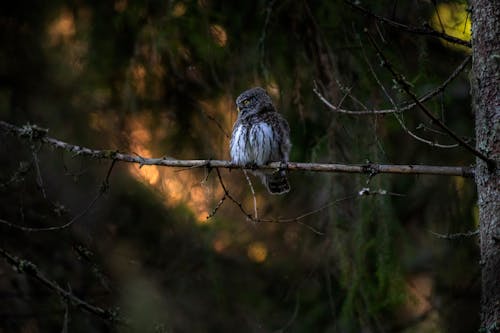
x=28, y=268
x=102, y=189
x=407, y=89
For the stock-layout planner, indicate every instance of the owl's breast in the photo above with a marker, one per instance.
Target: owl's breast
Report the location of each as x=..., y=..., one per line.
x=253, y=144
x=238, y=145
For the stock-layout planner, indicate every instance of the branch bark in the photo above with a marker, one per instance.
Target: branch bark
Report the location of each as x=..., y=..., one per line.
x=35, y=133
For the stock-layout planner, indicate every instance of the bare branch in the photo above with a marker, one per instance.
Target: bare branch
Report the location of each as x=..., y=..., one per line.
x=28, y=268
x=401, y=108
x=26, y=132
x=362, y=193
x=396, y=115
x=425, y=30
x=216, y=208
x=255, y=213
x=255, y=219
x=407, y=89
x=217, y=123
x=262, y=39
x=103, y=189
x=39, y=179
x=457, y=235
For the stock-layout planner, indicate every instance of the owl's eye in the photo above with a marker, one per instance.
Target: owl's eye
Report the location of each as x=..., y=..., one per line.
x=246, y=102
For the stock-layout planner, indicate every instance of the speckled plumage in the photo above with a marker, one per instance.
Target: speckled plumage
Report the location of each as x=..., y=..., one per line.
x=261, y=135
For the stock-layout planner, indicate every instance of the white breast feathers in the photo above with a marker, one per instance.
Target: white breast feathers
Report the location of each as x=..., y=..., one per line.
x=253, y=144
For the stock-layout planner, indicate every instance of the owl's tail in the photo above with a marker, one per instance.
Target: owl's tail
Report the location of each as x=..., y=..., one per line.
x=276, y=182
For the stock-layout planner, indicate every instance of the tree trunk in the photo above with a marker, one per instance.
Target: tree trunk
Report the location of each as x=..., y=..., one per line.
x=485, y=83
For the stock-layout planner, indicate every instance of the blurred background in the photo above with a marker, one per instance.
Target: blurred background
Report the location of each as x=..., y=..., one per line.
x=159, y=78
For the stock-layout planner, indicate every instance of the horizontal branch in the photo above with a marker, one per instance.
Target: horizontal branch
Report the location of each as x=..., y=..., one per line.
x=33, y=132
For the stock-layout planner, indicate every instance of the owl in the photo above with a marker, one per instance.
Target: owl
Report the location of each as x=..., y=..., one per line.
x=261, y=135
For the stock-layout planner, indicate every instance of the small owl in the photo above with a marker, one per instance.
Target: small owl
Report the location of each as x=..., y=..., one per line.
x=261, y=135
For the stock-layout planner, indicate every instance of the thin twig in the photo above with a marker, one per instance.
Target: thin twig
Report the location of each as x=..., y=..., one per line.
x=256, y=215
x=103, y=189
x=427, y=96
x=216, y=208
x=39, y=179
x=398, y=118
x=217, y=123
x=426, y=30
x=364, y=192
x=407, y=89
x=458, y=235
x=28, y=268
x=262, y=39
x=251, y=218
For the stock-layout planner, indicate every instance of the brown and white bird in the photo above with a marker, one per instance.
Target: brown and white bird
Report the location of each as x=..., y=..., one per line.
x=261, y=135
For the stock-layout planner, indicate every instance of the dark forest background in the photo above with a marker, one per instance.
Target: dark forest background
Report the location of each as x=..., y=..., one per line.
x=159, y=78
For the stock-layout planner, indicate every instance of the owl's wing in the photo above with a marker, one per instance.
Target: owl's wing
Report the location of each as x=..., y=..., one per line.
x=285, y=144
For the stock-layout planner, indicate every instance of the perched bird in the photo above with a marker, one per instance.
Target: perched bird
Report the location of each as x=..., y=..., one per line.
x=261, y=135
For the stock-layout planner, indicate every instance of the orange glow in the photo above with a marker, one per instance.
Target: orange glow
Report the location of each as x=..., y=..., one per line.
x=257, y=252
x=174, y=190
x=99, y=121
x=62, y=28
x=224, y=110
x=138, y=72
x=179, y=9
x=176, y=187
x=62, y=32
x=222, y=241
x=420, y=290
x=218, y=34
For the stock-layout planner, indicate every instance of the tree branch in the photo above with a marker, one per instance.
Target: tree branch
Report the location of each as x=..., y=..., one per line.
x=33, y=132
x=30, y=269
x=102, y=190
x=426, y=30
x=407, y=89
x=401, y=108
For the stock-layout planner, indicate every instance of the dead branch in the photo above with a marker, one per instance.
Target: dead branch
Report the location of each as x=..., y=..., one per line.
x=426, y=30
x=35, y=133
x=102, y=190
x=406, y=87
x=398, y=117
x=28, y=268
x=401, y=108
x=458, y=235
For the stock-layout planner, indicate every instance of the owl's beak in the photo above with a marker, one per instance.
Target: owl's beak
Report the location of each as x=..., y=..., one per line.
x=238, y=108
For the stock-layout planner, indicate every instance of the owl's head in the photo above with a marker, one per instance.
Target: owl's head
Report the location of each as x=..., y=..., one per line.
x=253, y=101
